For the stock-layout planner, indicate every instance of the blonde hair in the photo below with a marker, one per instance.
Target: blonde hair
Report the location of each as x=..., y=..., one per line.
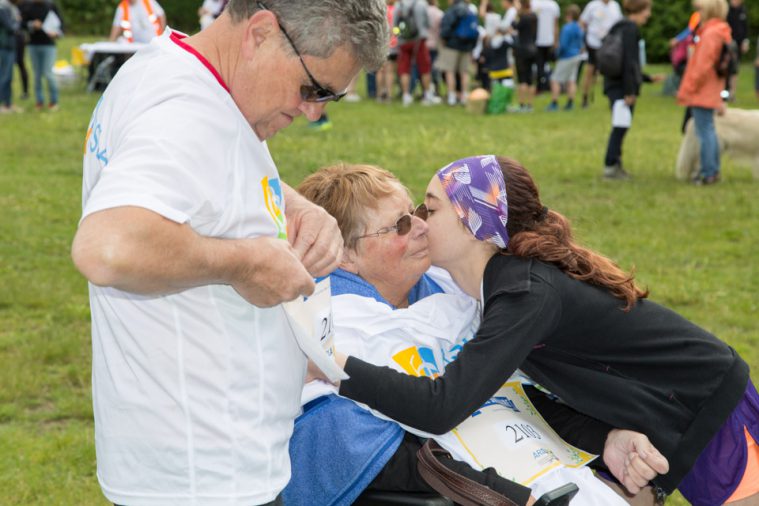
x=349, y=192
x=711, y=9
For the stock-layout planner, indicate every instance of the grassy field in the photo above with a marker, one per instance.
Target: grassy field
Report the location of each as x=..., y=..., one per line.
x=694, y=247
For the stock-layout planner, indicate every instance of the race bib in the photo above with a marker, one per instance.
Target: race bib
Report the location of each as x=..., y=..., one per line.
x=508, y=434
x=310, y=319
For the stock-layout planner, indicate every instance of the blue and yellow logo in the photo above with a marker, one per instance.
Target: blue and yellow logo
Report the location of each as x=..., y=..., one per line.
x=418, y=362
x=274, y=200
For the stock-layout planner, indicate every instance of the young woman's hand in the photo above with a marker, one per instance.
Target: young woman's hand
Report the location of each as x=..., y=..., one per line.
x=632, y=459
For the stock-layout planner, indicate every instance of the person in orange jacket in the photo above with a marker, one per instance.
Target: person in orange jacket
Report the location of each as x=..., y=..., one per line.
x=701, y=88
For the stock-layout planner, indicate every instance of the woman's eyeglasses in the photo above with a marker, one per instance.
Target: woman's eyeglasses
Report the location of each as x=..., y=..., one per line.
x=313, y=92
x=403, y=225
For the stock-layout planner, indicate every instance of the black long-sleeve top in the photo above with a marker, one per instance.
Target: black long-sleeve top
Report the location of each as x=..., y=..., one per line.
x=648, y=369
x=37, y=10
x=632, y=75
x=737, y=18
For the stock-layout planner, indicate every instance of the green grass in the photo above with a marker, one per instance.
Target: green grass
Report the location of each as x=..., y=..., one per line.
x=694, y=247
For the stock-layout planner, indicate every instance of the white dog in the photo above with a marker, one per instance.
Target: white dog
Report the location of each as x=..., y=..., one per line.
x=738, y=134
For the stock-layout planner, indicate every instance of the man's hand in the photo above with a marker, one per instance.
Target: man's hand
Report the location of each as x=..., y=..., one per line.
x=632, y=459
x=273, y=275
x=721, y=109
x=657, y=78
x=313, y=233
x=630, y=100
x=139, y=251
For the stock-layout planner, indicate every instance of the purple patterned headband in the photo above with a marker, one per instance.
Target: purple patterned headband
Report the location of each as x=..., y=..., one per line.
x=477, y=190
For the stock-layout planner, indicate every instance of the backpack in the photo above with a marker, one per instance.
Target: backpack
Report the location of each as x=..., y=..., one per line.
x=406, y=23
x=727, y=65
x=611, y=53
x=466, y=28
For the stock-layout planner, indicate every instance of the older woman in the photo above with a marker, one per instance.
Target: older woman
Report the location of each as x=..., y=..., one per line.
x=380, y=297
x=702, y=85
x=580, y=326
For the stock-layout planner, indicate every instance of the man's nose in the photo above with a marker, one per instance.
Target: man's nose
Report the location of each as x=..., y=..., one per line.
x=312, y=110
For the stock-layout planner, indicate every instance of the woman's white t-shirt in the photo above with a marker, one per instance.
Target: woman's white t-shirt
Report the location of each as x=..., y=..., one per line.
x=194, y=393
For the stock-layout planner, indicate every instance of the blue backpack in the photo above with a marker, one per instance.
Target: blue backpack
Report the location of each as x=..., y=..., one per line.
x=466, y=28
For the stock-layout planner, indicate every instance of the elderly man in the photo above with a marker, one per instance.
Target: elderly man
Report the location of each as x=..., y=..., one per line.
x=190, y=242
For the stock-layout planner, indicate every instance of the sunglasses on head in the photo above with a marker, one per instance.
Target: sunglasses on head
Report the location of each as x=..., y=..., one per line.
x=403, y=225
x=313, y=92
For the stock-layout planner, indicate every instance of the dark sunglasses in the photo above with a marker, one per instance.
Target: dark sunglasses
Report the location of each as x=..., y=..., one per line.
x=313, y=92
x=403, y=225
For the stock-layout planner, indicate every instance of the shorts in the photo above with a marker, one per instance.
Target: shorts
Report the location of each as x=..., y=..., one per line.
x=414, y=50
x=591, y=55
x=729, y=465
x=452, y=60
x=525, y=73
x=566, y=69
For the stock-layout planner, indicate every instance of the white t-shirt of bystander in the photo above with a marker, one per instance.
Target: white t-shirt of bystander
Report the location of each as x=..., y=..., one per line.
x=599, y=17
x=143, y=30
x=548, y=12
x=194, y=393
x=435, y=16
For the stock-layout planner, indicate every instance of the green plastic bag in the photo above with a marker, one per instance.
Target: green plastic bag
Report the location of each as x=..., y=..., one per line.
x=501, y=94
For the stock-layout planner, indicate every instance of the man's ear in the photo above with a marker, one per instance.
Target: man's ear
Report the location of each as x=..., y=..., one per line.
x=348, y=262
x=259, y=29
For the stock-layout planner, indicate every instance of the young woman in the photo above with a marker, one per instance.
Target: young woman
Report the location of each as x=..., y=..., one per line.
x=579, y=326
x=701, y=87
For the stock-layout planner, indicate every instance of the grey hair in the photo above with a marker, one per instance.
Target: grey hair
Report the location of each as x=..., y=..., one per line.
x=319, y=27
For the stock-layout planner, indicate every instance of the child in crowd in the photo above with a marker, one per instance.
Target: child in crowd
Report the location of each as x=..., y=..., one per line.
x=569, y=54
x=623, y=90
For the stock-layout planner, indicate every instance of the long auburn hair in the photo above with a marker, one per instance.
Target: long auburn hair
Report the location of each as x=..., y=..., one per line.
x=547, y=237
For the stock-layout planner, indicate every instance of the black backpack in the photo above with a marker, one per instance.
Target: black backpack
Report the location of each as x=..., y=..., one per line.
x=611, y=53
x=727, y=65
x=406, y=23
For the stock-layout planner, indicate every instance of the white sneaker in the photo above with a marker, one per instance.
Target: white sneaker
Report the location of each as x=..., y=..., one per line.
x=451, y=99
x=430, y=99
x=407, y=100
x=352, y=97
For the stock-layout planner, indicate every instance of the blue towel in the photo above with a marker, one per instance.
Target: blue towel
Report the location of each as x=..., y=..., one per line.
x=338, y=448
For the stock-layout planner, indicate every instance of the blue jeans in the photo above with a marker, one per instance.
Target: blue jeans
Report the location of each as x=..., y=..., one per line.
x=707, y=136
x=43, y=59
x=7, y=59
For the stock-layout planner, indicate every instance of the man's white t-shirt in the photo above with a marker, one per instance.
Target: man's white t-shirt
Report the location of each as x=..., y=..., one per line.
x=599, y=17
x=548, y=12
x=142, y=29
x=194, y=393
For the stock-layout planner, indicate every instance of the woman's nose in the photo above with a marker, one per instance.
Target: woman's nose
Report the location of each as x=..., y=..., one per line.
x=419, y=226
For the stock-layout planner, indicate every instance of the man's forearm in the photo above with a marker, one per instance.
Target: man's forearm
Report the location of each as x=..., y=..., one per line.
x=139, y=251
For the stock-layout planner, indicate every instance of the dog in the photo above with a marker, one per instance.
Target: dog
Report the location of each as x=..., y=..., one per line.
x=738, y=135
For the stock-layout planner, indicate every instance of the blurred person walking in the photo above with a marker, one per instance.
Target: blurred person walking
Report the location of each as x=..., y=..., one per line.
x=138, y=21
x=701, y=88
x=526, y=54
x=386, y=74
x=623, y=90
x=43, y=21
x=459, y=32
x=21, y=57
x=596, y=20
x=435, y=15
x=546, y=39
x=737, y=18
x=412, y=25
x=569, y=53
x=9, y=23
